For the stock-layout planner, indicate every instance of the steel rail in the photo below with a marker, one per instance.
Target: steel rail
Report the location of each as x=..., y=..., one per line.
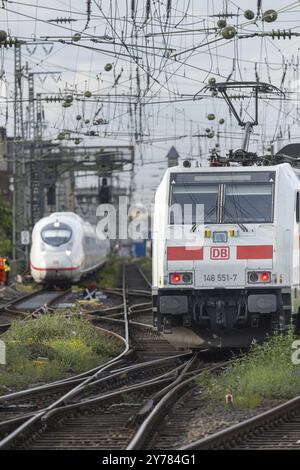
x=149, y=382
x=230, y=437
x=87, y=380
x=141, y=272
x=20, y=314
x=7, y=441
x=167, y=398
x=75, y=378
x=162, y=378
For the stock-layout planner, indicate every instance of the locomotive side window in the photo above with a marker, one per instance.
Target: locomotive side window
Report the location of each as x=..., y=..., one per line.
x=192, y=200
x=248, y=203
x=56, y=236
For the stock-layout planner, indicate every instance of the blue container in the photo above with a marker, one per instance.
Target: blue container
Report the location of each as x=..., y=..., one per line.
x=139, y=249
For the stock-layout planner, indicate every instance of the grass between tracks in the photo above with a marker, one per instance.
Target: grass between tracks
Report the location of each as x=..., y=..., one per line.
x=266, y=372
x=52, y=347
x=111, y=275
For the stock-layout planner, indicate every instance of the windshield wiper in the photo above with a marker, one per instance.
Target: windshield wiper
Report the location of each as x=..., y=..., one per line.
x=196, y=224
x=242, y=226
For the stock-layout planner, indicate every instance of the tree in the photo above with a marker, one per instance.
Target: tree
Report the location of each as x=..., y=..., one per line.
x=5, y=228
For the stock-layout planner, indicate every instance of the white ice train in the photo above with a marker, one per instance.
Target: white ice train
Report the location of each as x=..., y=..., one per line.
x=65, y=248
x=236, y=271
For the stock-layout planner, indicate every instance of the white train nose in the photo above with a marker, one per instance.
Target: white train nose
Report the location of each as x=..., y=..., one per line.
x=60, y=266
x=64, y=247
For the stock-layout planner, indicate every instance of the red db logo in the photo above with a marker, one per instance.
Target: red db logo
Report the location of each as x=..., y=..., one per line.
x=220, y=252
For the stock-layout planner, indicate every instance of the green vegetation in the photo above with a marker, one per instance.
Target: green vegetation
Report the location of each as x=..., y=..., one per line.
x=111, y=275
x=266, y=372
x=52, y=347
x=5, y=228
x=28, y=286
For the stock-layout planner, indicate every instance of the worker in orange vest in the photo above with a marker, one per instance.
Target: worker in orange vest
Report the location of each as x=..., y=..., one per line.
x=2, y=272
x=6, y=271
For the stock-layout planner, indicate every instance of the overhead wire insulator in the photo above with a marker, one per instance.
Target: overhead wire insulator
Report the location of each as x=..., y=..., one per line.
x=169, y=8
x=223, y=15
x=88, y=13
x=258, y=7
x=282, y=34
x=148, y=10
x=133, y=10
x=61, y=20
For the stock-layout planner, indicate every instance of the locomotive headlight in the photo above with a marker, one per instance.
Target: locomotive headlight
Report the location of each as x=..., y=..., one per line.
x=187, y=278
x=181, y=278
x=175, y=278
x=259, y=277
x=252, y=277
x=68, y=252
x=265, y=277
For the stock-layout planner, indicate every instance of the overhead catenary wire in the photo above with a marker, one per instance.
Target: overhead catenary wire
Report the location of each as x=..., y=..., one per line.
x=161, y=77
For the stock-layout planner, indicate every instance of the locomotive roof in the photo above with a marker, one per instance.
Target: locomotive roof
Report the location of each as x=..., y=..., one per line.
x=230, y=169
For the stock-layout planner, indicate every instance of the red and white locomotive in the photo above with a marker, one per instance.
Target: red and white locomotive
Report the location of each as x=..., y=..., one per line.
x=226, y=251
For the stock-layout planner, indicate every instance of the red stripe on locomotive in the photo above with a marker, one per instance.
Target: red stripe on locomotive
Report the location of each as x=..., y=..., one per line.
x=254, y=252
x=182, y=253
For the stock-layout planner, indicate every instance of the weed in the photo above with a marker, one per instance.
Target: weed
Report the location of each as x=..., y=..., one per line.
x=51, y=347
x=266, y=372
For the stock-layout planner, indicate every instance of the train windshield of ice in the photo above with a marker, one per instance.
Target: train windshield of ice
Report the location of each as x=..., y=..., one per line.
x=226, y=253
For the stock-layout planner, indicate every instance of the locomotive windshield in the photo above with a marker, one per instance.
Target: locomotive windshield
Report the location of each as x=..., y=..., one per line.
x=56, y=235
x=188, y=197
x=229, y=197
x=248, y=203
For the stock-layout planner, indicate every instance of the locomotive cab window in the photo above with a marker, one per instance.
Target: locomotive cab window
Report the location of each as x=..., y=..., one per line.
x=252, y=203
x=221, y=198
x=56, y=236
x=188, y=202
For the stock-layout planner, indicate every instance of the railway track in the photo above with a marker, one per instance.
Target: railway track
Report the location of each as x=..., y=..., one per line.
x=108, y=401
x=278, y=428
x=104, y=421
x=172, y=411
x=169, y=424
x=25, y=306
x=8, y=294
x=120, y=404
x=144, y=339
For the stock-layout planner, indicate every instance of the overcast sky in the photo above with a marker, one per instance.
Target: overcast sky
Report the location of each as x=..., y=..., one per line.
x=159, y=61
